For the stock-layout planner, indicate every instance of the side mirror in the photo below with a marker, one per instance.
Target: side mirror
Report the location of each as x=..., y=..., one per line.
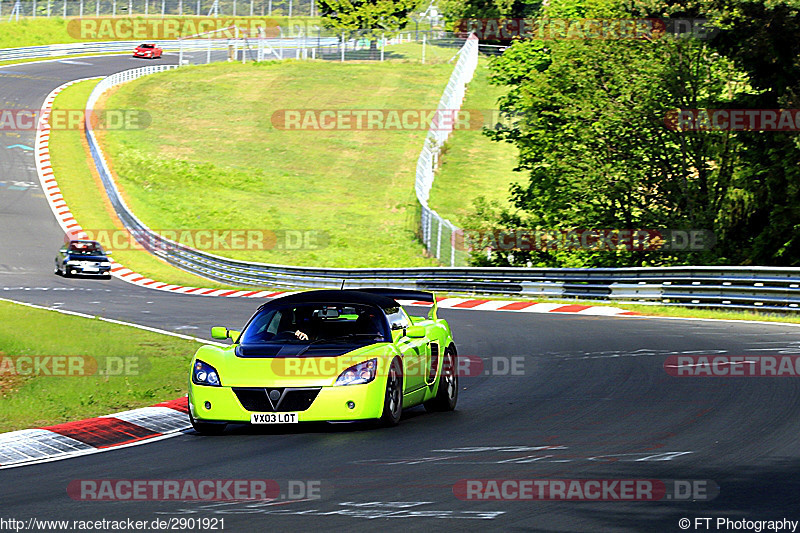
x=219, y=332
x=415, y=332
x=234, y=335
x=109, y=252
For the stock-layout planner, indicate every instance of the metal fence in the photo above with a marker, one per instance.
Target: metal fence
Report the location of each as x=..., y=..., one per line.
x=13, y=9
x=437, y=233
x=295, y=42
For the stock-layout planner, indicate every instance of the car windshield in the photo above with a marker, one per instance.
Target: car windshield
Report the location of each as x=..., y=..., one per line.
x=307, y=327
x=147, y=46
x=85, y=248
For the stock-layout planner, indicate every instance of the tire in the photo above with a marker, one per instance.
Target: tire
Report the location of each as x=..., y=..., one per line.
x=447, y=393
x=57, y=271
x=204, y=428
x=393, y=398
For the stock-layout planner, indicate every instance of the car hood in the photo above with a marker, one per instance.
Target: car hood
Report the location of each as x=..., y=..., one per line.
x=287, y=371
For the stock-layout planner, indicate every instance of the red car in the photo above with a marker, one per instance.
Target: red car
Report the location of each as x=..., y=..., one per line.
x=148, y=51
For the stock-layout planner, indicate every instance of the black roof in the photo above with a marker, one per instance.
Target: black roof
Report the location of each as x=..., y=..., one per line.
x=347, y=296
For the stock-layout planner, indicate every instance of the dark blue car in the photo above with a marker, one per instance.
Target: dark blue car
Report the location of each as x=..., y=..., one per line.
x=83, y=257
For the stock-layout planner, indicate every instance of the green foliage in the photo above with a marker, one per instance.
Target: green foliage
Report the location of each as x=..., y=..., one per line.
x=364, y=15
x=590, y=130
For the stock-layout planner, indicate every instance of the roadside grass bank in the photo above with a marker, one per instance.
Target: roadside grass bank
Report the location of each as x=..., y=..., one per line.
x=228, y=160
x=94, y=368
x=86, y=197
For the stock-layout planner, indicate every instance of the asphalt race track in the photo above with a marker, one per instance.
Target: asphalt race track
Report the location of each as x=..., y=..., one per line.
x=589, y=399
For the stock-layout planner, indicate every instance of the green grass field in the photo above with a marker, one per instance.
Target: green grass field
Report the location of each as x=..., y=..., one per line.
x=220, y=163
x=87, y=199
x=473, y=165
x=157, y=367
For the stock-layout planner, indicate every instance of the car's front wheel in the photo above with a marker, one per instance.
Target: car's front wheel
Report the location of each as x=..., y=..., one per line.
x=447, y=394
x=393, y=398
x=205, y=428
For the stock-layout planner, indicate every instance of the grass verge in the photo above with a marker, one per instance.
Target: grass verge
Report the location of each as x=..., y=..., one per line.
x=222, y=164
x=473, y=165
x=157, y=367
x=84, y=193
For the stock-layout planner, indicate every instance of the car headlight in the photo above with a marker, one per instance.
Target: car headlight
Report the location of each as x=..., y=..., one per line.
x=204, y=374
x=358, y=374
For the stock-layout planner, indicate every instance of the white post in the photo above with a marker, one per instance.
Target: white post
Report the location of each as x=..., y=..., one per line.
x=81, y=8
x=423, y=48
x=383, y=44
x=208, y=50
x=251, y=8
x=163, y=7
x=180, y=52
x=65, y=9
x=236, y=42
x=130, y=7
x=280, y=37
x=234, y=8
x=342, y=47
x=180, y=7
x=146, y=7
x=49, y=3
x=96, y=7
x=114, y=8
x=290, y=8
x=33, y=13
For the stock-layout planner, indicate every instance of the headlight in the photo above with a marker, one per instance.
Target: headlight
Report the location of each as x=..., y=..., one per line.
x=358, y=374
x=204, y=374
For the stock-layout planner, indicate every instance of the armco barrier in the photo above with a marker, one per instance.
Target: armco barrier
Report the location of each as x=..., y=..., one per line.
x=765, y=288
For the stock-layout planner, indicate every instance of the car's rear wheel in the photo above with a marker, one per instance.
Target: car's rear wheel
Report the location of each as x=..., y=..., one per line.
x=393, y=397
x=447, y=394
x=205, y=428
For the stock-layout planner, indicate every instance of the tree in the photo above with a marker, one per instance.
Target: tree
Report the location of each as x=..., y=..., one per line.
x=368, y=18
x=593, y=142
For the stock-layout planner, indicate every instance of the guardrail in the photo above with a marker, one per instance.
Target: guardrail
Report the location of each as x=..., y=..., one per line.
x=765, y=288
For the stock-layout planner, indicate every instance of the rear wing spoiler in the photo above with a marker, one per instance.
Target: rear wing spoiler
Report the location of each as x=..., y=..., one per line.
x=406, y=294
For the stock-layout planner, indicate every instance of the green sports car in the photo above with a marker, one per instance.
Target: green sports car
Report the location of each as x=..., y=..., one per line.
x=326, y=355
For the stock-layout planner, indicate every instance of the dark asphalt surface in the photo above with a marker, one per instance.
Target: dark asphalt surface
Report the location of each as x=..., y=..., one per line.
x=592, y=390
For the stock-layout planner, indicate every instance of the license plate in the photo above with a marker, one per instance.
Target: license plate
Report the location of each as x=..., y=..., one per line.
x=90, y=269
x=273, y=418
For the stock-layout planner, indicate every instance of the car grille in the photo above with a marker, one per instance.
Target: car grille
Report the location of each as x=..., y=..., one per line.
x=275, y=399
